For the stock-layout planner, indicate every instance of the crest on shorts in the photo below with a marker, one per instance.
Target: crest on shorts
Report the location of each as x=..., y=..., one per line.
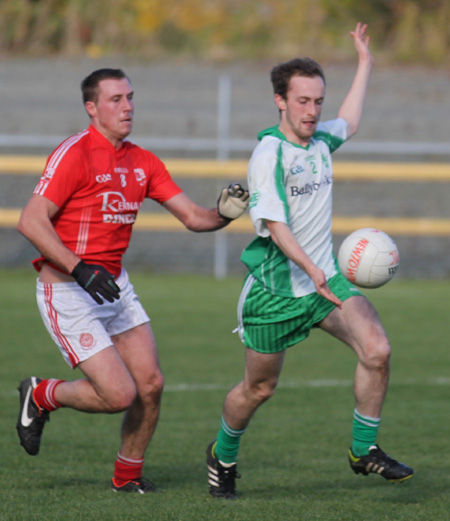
x=87, y=341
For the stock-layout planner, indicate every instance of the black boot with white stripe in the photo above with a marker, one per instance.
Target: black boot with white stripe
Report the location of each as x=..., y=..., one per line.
x=221, y=476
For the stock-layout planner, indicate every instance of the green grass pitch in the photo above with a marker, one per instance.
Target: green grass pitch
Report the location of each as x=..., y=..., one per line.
x=293, y=455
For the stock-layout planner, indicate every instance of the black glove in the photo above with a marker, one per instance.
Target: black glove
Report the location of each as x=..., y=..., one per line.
x=97, y=281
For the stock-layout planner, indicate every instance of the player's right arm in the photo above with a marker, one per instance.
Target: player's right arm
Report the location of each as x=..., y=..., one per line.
x=36, y=225
x=283, y=237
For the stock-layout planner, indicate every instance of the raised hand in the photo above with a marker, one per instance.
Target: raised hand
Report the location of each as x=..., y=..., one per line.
x=362, y=40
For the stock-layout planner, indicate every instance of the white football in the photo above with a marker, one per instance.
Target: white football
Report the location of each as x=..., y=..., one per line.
x=369, y=258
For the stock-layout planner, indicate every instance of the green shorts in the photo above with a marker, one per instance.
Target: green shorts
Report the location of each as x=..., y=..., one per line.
x=270, y=323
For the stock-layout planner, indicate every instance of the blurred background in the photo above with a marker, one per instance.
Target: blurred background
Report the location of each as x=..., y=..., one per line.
x=409, y=31
x=200, y=70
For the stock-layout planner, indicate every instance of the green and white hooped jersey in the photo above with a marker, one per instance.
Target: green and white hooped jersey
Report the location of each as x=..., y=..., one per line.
x=292, y=184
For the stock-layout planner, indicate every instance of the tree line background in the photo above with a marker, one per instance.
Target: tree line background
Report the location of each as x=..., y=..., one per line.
x=403, y=31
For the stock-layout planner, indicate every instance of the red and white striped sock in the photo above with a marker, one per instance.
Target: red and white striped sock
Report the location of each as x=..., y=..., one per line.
x=44, y=394
x=127, y=469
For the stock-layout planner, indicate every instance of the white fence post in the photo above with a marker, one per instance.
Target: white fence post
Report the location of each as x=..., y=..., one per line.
x=223, y=154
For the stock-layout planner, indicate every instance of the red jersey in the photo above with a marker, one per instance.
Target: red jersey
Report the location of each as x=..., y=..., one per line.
x=99, y=191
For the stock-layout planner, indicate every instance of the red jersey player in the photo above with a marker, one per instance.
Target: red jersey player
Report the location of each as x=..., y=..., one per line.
x=80, y=218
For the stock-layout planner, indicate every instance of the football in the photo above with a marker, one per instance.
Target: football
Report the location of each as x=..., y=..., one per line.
x=369, y=258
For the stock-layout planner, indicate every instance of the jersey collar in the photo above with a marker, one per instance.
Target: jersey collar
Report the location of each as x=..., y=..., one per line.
x=276, y=132
x=100, y=140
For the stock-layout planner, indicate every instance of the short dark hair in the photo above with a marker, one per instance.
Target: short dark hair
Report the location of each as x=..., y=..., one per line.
x=281, y=74
x=89, y=86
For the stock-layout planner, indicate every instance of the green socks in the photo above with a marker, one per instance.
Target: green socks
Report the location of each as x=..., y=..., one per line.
x=365, y=431
x=227, y=445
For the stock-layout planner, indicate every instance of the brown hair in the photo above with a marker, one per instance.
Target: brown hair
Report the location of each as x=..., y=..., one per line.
x=89, y=86
x=281, y=74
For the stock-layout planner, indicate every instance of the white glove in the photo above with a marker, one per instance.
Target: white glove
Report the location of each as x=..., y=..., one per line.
x=232, y=202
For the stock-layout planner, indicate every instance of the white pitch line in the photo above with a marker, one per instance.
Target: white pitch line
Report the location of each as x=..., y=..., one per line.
x=281, y=385
x=299, y=384
x=182, y=387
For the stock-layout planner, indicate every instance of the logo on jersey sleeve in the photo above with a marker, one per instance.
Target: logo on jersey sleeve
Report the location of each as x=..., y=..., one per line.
x=44, y=181
x=256, y=196
x=49, y=173
x=117, y=210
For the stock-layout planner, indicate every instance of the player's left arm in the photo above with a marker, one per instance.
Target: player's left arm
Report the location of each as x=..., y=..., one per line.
x=231, y=204
x=352, y=106
x=282, y=236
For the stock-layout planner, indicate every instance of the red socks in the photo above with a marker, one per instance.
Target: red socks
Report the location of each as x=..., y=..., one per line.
x=127, y=469
x=44, y=394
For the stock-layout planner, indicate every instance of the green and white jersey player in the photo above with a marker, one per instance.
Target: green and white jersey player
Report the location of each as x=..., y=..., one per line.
x=292, y=184
x=293, y=283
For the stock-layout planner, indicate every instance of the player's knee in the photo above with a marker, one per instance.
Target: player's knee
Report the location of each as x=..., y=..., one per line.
x=377, y=355
x=121, y=398
x=151, y=390
x=262, y=391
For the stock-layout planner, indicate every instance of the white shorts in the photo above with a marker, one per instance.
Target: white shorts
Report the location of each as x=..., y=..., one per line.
x=78, y=325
